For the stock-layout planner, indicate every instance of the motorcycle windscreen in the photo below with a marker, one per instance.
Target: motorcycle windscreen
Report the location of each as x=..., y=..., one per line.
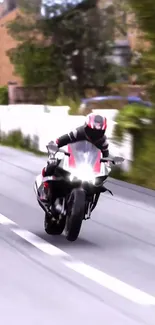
x=84, y=153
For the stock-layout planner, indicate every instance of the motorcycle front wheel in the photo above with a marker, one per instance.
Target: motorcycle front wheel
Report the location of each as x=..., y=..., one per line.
x=75, y=214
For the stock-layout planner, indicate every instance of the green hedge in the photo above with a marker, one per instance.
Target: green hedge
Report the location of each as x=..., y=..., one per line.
x=143, y=167
x=63, y=100
x=4, y=96
x=16, y=139
x=142, y=171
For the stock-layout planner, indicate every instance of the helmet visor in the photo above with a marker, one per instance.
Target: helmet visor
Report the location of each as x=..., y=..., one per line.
x=98, y=125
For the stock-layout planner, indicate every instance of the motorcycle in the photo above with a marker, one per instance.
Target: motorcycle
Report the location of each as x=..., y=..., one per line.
x=74, y=188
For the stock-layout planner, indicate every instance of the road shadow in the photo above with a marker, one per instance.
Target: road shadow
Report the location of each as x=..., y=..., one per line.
x=103, y=242
x=61, y=241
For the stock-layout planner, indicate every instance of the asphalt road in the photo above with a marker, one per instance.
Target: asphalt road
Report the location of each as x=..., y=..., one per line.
x=106, y=277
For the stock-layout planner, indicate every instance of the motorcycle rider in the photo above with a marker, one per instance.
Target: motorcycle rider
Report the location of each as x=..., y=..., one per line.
x=93, y=131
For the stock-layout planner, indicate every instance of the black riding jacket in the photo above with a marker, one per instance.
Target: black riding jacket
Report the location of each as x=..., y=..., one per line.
x=79, y=134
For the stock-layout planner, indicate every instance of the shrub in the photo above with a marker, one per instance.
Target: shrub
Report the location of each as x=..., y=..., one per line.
x=118, y=173
x=132, y=119
x=142, y=170
x=67, y=101
x=64, y=100
x=74, y=104
x=16, y=139
x=4, y=96
x=143, y=167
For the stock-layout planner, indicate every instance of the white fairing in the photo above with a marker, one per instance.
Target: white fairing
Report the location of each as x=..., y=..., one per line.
x=38, y=183
x=39, y=179
x=105, y=169
x=85, y=155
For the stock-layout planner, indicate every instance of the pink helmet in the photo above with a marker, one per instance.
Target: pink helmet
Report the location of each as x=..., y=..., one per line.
x=97, y=122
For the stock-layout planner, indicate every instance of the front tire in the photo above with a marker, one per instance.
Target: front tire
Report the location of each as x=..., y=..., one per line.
x=52, y=227
x=75, y=214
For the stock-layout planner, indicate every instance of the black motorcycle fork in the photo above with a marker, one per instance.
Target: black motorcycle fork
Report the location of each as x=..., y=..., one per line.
x=97, y=195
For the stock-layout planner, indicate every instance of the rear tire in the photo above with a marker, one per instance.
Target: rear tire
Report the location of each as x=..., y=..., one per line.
x=75, y=214
x=52, y=227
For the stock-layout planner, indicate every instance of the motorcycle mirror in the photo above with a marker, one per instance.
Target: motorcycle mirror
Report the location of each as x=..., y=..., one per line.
x=52, y=148
x=118, y=160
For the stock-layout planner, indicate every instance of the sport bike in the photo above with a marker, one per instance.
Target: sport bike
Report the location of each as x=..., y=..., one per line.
x=77, y=180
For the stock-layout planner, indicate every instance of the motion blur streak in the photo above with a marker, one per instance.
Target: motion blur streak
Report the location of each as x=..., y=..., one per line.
x=107, y=275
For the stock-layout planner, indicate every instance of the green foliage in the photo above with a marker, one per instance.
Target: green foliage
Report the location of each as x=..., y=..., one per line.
x=143, y=167
x=68, y=101
x=52, y=49
x=27, y=6
x=145, y=14
x=3, y=96
x=118, y=173
x=37, y=64
x=145, y=68
x=131, y=118
x=148, y=71
x=16, y=139
x=120, y=10
x=63, y=100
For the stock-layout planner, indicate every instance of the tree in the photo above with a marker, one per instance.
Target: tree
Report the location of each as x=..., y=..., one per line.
x=145, y=14
x=37, y=64
x=79, y=55
x=30, y=6
x=143, y=171
x=132, y=118
x=119, y=12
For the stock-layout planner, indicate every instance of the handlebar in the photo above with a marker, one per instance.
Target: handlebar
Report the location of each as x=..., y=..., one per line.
x=52, y=148
x=115, y=160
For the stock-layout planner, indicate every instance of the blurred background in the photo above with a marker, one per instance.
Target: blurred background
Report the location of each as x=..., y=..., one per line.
x=85, y=54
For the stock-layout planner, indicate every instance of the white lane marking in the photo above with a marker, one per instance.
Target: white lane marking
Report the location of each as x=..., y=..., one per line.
x=39, y=243
x=103, y=279
x=111, y=283
x=5, y=221
x=33, y=239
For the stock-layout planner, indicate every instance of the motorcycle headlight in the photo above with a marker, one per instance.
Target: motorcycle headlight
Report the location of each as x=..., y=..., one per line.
x=83, y=173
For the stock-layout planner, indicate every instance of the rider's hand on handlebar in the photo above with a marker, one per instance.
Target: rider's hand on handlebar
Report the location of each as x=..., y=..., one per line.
x=108, y=164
